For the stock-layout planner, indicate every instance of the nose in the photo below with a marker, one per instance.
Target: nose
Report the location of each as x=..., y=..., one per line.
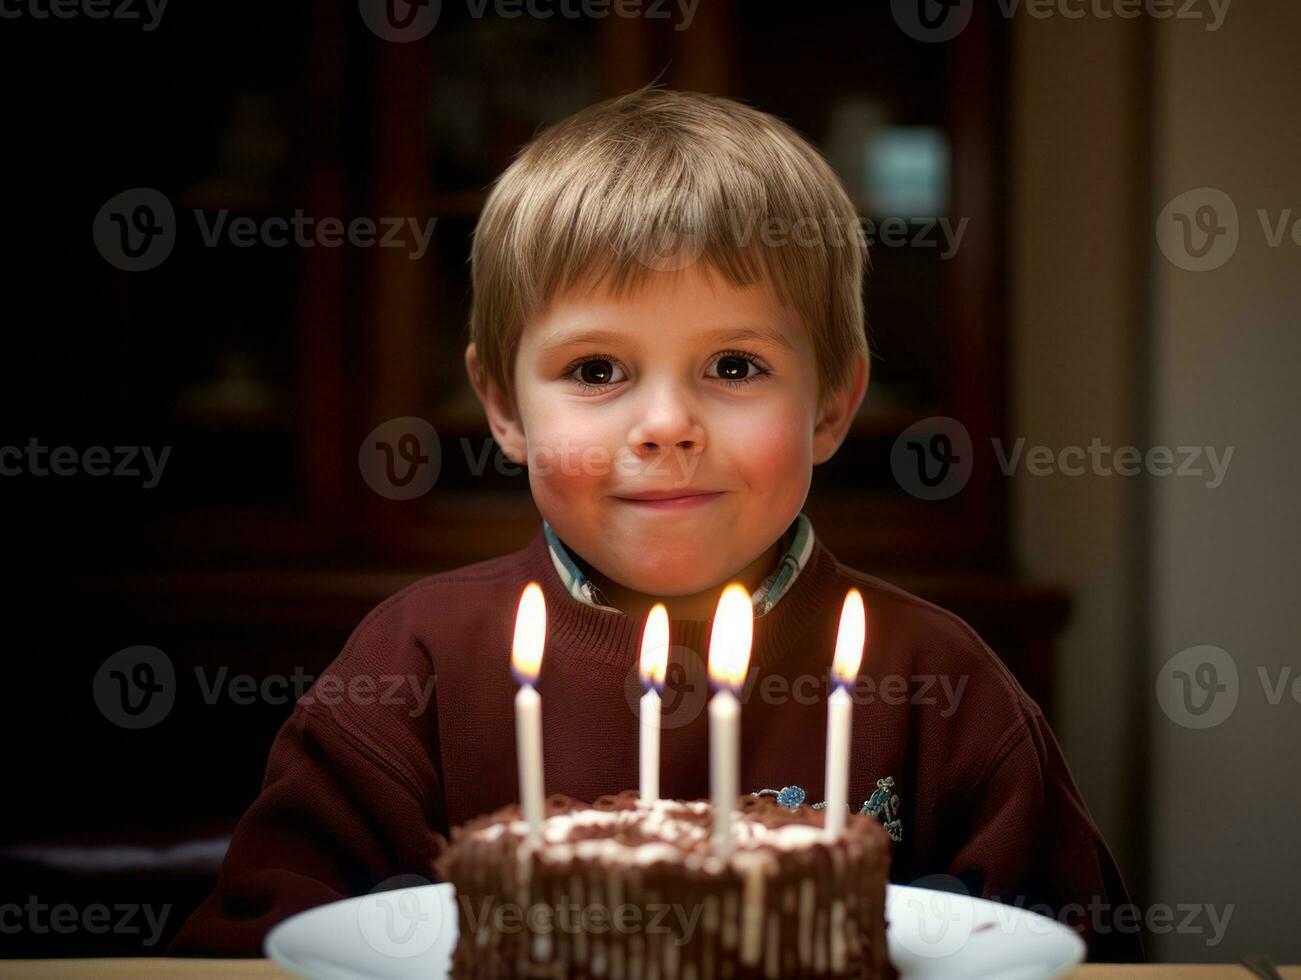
x=666, y=422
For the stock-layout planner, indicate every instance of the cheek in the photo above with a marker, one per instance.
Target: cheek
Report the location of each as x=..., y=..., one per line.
x=569, y=450
x=766, y=447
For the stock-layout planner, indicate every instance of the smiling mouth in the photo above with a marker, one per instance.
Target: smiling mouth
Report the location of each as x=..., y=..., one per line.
x=679, y=502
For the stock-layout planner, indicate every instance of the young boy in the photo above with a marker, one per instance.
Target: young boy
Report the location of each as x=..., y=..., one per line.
x=669, y=374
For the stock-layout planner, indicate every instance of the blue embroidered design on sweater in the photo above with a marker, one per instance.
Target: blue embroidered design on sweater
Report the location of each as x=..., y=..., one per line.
x=882, y=804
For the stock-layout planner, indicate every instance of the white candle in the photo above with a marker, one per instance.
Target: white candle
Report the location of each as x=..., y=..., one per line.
x=526, y=662
x=654, y=659
x=729, y=657
x=528, y=749
x=724, y=761
x=844, y=670
x=839, y=708
x=650, y=746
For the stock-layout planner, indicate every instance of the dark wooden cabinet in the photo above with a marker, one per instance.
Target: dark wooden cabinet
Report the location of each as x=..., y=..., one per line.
x=293, y=355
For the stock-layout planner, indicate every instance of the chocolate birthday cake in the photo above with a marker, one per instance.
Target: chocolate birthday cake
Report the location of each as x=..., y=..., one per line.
x=630, y=891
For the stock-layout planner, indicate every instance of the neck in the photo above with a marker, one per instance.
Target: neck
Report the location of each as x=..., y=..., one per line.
x=697, y=605
x=802, y=624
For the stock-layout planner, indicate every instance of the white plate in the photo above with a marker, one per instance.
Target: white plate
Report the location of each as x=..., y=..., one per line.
x=410, y=933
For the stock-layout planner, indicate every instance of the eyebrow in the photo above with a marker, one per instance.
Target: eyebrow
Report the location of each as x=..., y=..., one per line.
x=604, y=336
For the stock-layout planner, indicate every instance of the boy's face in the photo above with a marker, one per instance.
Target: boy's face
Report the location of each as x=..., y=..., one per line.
x=692, y=387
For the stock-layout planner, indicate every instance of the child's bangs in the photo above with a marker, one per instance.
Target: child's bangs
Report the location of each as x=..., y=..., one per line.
x=618, y=233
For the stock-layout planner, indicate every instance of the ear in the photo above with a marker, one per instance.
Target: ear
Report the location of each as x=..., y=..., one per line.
x=502, y=412
x=837, y=415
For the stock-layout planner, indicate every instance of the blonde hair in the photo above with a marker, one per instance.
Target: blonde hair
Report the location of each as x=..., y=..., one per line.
x=655, y=179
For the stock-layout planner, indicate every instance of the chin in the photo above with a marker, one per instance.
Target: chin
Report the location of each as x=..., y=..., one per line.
x=672, y=589
x=683, y=574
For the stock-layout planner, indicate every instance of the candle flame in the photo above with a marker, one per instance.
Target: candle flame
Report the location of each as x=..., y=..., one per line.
x=530, y=634
x=729, y=642
x=655, y=647
x=849, y=640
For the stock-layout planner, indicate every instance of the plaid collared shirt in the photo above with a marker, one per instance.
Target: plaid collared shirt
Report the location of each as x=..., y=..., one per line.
x=770, y=590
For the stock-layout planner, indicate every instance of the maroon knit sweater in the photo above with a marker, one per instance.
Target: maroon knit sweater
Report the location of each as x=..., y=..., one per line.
x=364, y=772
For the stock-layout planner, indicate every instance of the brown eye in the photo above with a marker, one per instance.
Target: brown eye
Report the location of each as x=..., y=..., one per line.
x=596, y=372
x=733, y=368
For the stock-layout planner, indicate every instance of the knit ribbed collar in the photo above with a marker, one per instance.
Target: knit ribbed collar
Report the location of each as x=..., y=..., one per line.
x=610, y=636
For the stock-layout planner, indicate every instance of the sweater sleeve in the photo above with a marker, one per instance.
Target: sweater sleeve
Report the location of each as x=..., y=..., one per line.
x=1032, y=843
x=337, y=815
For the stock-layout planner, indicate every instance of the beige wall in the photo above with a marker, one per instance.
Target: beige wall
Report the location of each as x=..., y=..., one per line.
x=1078, y=169
x=1226, y=806
x=1112, y=339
